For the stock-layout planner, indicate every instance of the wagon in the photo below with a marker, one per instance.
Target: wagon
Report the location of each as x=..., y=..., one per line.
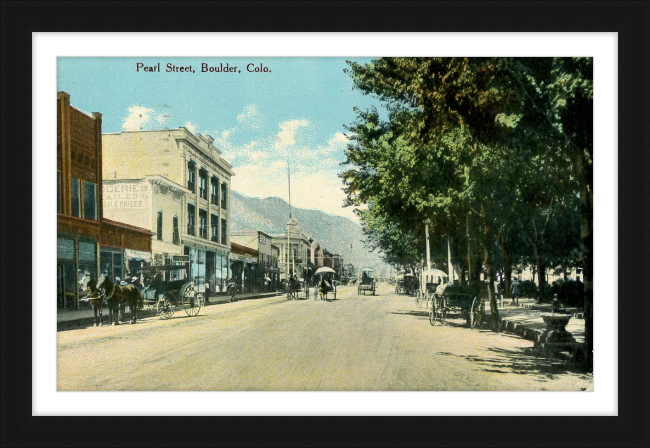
x=464, y=301
x=168, y=288
x=366, y=282
x=298, y=289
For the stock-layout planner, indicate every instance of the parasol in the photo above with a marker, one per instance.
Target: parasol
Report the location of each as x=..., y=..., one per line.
x=324, y=270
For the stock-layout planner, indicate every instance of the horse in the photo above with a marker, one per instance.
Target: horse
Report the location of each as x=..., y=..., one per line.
x=294, y=287
x=324, y=288
x=118, y=295
x=95, y=297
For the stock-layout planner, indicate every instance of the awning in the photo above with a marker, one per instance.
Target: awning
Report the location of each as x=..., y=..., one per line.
x=137, y=255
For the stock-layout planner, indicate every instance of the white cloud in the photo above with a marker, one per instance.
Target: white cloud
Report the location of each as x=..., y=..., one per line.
x=141, y=118
x=190, y=127
x=287, y=134
x=251, y=117
x=138, y=118
x=339, y=139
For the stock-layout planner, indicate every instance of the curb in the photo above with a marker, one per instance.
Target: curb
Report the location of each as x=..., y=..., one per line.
x=85, y=322
x=538, y=337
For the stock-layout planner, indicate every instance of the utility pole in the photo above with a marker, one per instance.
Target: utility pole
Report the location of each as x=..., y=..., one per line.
x=451, y=268
x=426, y=233
x=288, y=228
x=469, y=253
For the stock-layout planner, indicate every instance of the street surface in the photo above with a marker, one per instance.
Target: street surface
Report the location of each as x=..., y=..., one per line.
x=356, y=343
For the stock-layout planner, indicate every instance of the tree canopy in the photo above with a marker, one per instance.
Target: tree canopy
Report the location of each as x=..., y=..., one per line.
x=503, y=144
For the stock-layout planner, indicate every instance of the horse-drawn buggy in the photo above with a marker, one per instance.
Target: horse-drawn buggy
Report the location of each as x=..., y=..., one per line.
x=297, y=288
x=169, y=288
x=366, y=282
x=326, y=284
x=461, y=300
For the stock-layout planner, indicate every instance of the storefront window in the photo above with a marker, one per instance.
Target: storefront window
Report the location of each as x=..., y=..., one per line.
x=197, y=267
x=88, y=258
x=111, y=263
x=76, y=200
x=65, y=249
x=90, y=201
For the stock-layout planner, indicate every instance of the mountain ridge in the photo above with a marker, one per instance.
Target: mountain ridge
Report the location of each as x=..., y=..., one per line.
x=338, y=234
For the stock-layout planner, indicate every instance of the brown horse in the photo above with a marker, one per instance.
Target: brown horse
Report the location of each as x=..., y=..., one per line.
x=118, y=295
x=95, y=297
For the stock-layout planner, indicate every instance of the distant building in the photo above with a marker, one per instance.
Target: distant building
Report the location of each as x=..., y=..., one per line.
x=188, y=188
x=244, y=267
x=269, y=274
x=294, y=251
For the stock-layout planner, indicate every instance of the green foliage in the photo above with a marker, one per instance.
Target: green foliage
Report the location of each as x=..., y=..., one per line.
x=500, y=138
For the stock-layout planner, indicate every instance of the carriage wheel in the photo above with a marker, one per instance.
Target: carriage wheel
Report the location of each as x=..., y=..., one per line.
x=442, y=315
x=432, y=313
x=165, y=307
x=191, y=299
x=474, y=313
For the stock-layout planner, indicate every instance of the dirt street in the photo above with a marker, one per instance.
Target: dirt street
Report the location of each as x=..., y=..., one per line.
x=361, y=343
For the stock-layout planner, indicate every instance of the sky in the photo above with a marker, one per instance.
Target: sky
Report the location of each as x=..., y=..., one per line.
x=291, y=111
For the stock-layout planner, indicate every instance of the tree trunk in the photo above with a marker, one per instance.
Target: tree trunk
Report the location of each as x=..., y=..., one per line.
x=585, y=179
x=490, y=271
x=541, y=266
x=506, y=266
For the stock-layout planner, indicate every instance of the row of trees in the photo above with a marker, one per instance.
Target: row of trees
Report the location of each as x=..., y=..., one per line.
x=493, y=153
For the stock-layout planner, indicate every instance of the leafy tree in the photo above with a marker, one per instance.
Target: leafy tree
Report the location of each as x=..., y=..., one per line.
x=469, y=135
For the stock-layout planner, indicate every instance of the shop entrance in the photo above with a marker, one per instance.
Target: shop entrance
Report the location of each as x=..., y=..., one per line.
x=66, y=286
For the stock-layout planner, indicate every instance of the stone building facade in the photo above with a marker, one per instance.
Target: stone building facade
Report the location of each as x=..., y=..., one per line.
x=188, y=183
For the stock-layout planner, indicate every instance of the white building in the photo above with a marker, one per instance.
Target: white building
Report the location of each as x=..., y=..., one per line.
x=176, y=184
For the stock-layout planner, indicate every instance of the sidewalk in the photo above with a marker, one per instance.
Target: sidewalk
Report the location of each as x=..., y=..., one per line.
x=69, y=320
x=526, y=321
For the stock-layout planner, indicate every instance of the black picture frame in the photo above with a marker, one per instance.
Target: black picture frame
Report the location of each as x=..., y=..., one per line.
x=630, y=19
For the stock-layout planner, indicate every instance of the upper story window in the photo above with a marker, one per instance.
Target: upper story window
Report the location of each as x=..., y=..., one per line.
x=203, y=223
x=191, y=176
x=76, y=198
x=224, y=228
x=90, y=201
x=214, y=190
x=159, y=226
x=191, y=219
x=224, y=190
x=203, y=184
x=175, y=235
x=214, y=227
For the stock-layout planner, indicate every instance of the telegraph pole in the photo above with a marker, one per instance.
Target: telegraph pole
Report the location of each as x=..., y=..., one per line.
x=426, y=233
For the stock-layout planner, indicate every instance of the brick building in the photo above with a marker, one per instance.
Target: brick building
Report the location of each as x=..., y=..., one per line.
x=80, y=225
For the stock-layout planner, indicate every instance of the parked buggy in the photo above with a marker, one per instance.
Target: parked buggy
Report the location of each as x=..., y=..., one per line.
x=461, y=300
x=168, y=288
x=366, y=282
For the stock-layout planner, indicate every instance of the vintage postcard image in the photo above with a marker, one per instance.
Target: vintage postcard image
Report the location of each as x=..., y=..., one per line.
x=324, y=224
